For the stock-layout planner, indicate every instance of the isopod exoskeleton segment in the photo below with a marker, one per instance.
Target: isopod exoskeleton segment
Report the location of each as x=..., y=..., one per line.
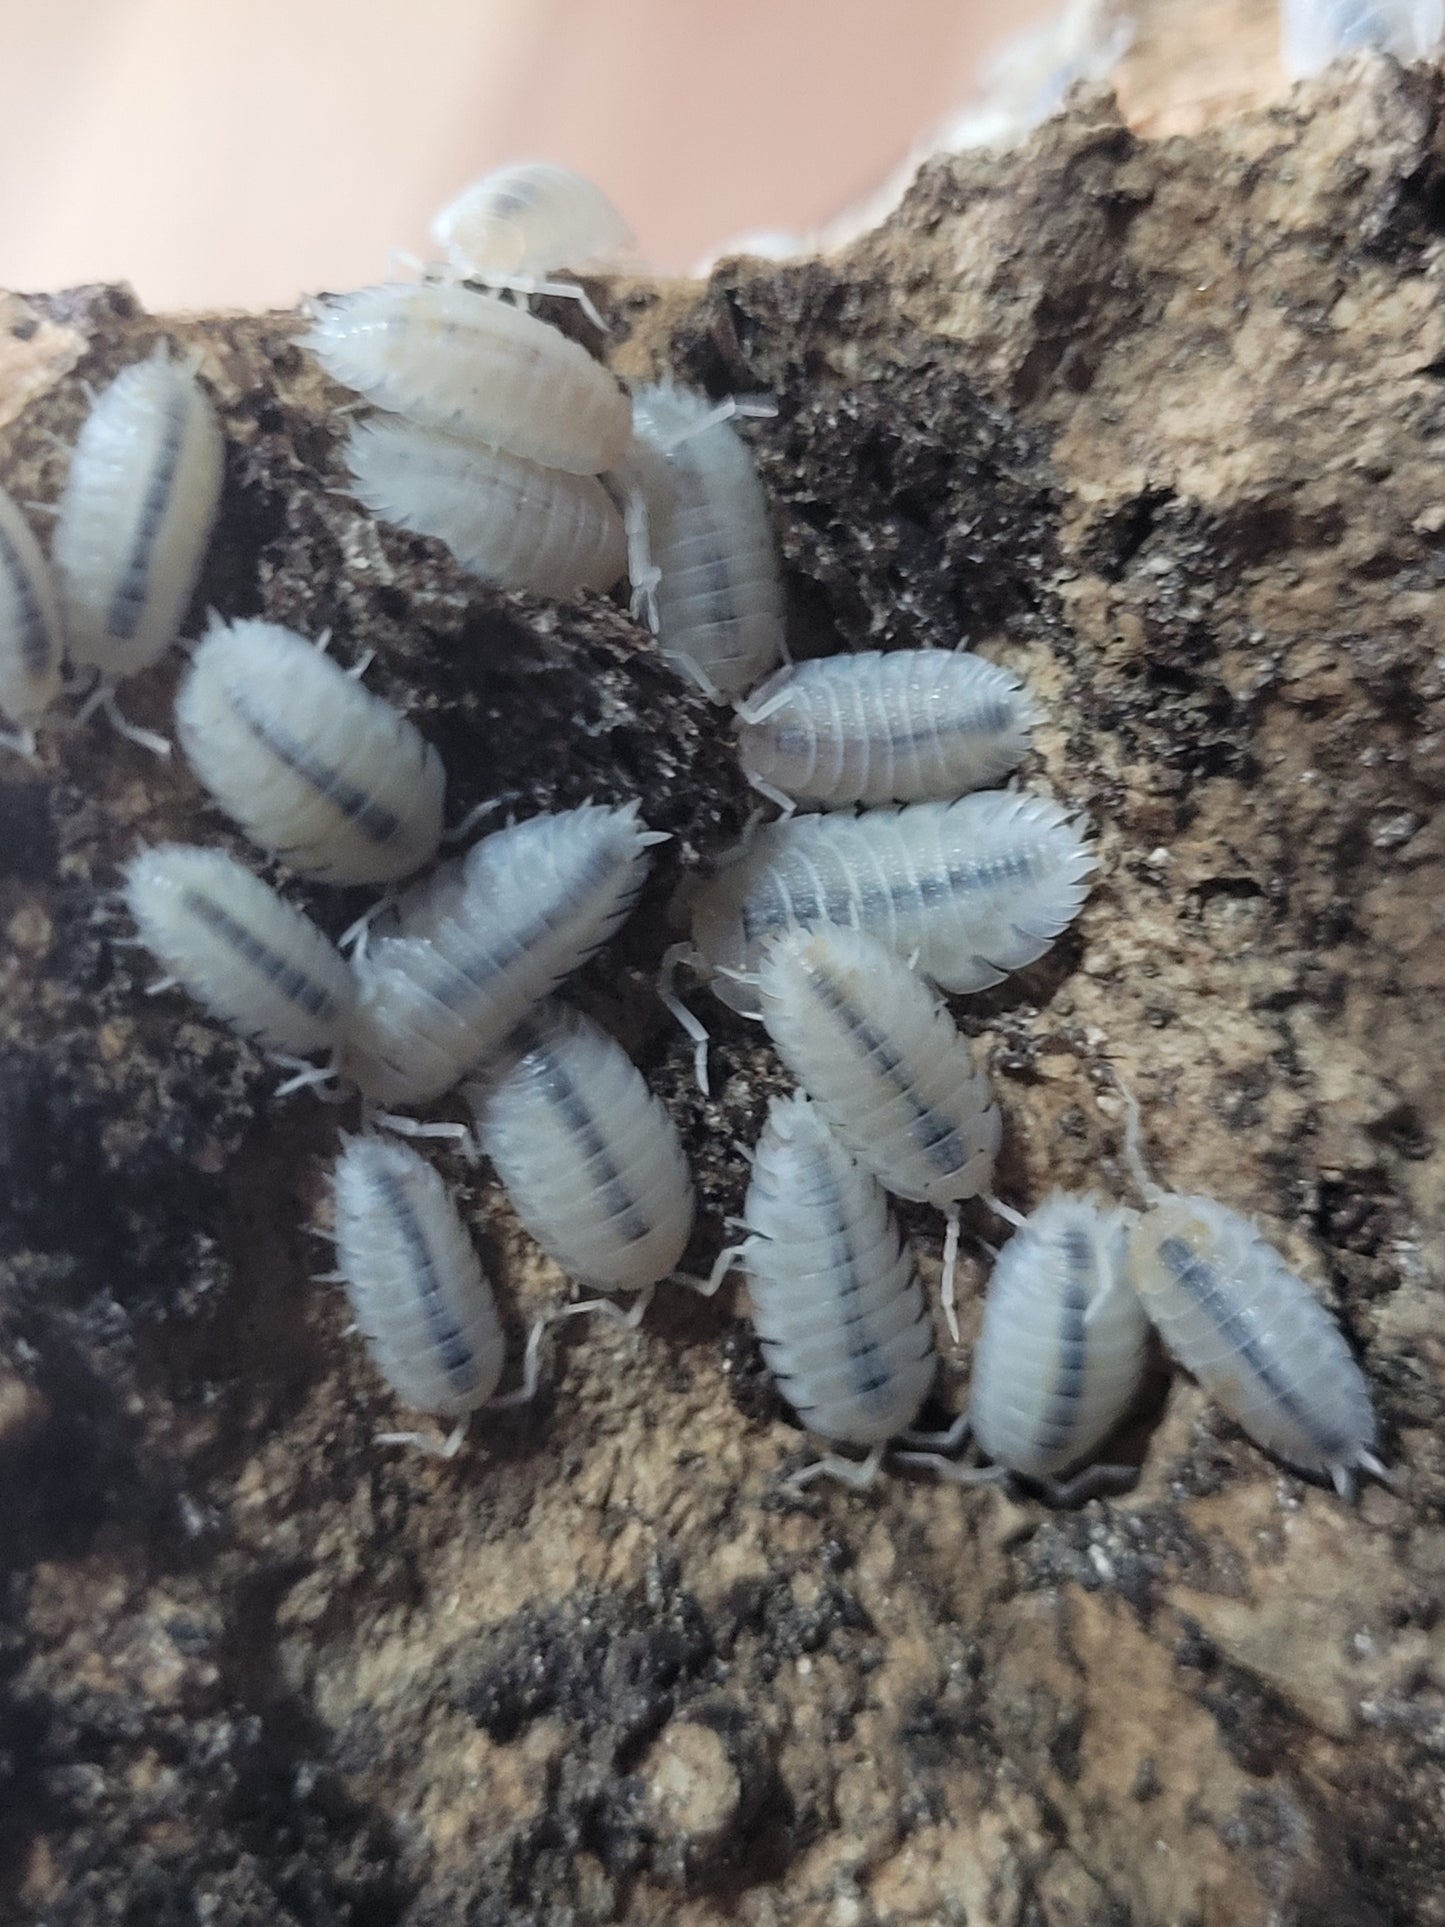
x=528, y=219
x=31, y=645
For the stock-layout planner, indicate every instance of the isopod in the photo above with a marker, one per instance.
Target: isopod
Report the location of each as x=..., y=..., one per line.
x=587, y=1154
x=312, y=766
x=836, y=1301
x=449, y=358
x=243, y=952
x=883, y=1061
x=415, y=1282
x=484, y=941
x=528, y=219
x=30, y=634
x=719, y=593
x=503, y=518
x=136, y=514
x=879, y=727
x=976, y=888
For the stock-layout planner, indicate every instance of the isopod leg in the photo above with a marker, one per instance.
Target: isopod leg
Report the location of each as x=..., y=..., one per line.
x=629, y=1319
x=697, y=1030
x=955, y=1473
x=858, y=1473
x=428, y=1442
x=102, y=698
x=950, y=1270
x=531, y=1372
x=946, y=1441
x=1094, y=1482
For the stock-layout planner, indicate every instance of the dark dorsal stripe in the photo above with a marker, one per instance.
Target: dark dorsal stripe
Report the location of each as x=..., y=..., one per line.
x=128, y=603
x=375, y=822
x=988, y=718
x=445, y=1334
x=933, y=1133
x=35, y=640
x=1198, y=1279
x=294, y=985
x=767, y=907
x=867, y=1365
x=562, y=1094
x=1056, y=1426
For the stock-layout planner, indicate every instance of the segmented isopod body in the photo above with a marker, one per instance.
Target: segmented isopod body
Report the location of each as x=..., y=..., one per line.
x=1061, y=1351
x=480, y=944
x=876, y=727
x=530, y=218
x=835, y=1299
x=30, y=637
x=447, y=357
x=976, y=888
x=503, y=518
x=247, y=955
x=311, y=765
x=1254, y=1335
x=883, y=1061
x=414, y=1279
x=589, y=1157
x=136, y=514
x=719, y=593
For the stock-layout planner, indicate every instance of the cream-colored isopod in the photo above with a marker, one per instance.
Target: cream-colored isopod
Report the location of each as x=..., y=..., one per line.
x=471, y=365
x=312, y=766
x=503, y=518
x=136, y=514
x=30, y=635
x=529, y=219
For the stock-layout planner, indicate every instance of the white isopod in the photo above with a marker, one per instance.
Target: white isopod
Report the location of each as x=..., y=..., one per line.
x=415, y=1283
x=976, y=888
x=449, y=358
x=1253, y=1333
x=719, y=592
x=589, y=1157
x=30, y=637
x=835, y=1298
x=483, y=942
x=136, y=514
x=882, y=727
x=527, y=220
x=1315, y=32
x=884, y=1062
x=503, y=518
x=312, y=766
x=247, y=955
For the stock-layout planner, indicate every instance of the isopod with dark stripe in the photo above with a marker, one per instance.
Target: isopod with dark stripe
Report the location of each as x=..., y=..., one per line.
x=30, y=635
x=518, y=225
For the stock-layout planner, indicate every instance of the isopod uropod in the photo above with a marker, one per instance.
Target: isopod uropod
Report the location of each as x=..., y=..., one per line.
x=589, y=1157
x=449, y=358
x=136, y=514
x=312, y=766
x=529, y=219
x=247, y=955
x=504, y=519
x=876, y=727
x=835, y=1298
x=30, y=637
x=976, y=888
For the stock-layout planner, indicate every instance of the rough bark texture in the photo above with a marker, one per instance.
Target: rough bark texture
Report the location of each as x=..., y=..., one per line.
x=1161, y=427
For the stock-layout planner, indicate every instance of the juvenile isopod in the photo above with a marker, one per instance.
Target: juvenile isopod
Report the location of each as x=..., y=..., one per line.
x=518, y=225
x=879, y=727
x=30, y=636
x=884, y=1062
x=416, y=1284
x=484, y=941
x=312, y=766
x=449, y=358
x=835, y=1298
x=247, y=955
x=719, y=592
x=136, y=515
x=589, y=1157
x=976, y=888
x=503, y=518
x=1253, y=1333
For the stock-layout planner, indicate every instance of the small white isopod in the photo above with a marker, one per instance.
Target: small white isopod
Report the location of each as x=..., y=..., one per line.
x=136, y=514
x=884, y=1062
x=505, y=519
x=449, y=358
x=587, y=1153
x=242, y=951
x=976, y=888
x=836, y=1301
x=312, y=766
x=518, y=225
x=31, y=645
x=416, y=1285
x=719, y=591
x=1253, y=1333
x=878, y=727
x=484, y=941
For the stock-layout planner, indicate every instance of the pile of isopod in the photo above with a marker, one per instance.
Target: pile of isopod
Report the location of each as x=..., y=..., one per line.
x=896, y=869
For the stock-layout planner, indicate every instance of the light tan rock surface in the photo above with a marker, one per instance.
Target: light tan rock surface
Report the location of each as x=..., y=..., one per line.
x=1161, y=427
